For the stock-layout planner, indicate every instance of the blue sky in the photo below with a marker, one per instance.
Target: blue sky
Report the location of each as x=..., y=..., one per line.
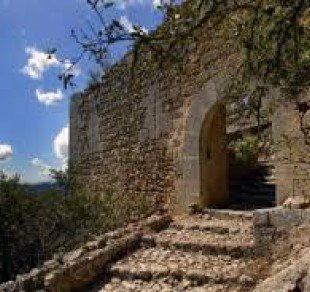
x=33, y=104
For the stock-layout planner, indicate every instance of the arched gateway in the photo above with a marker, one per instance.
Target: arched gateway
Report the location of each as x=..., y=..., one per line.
x=203, y=160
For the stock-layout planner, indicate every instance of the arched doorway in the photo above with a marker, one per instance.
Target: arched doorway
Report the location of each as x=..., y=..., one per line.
x=202, y=161
x=213, y=158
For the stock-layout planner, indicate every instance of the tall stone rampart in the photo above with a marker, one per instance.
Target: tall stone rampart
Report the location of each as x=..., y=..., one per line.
x=141, y=134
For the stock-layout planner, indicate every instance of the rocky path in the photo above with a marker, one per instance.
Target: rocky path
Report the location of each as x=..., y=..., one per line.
x=210, y=252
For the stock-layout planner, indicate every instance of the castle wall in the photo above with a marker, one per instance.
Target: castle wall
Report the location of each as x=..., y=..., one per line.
x=291, y=133
x=131, y=137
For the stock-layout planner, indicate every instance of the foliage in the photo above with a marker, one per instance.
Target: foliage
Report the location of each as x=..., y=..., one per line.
x=246, y=151
x=62, y=179
x=35, y=227
x=94, y=78
x=254, y=104
x=277, y=44
x=272, y=36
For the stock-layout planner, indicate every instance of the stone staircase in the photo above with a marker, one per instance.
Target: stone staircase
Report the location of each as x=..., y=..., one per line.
x=207, y=252
x=254, y=190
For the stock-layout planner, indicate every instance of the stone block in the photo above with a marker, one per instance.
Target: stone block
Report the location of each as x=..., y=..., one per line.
x=285, y=218
x=261, y=218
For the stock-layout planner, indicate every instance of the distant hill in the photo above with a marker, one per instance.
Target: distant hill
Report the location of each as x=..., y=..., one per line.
x=42, y=187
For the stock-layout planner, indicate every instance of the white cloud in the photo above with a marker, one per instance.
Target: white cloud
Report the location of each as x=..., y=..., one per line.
x=123, y=4
x=43, y=171
x=73, y=69
x=64, y=166
x=9, y=173
x=43, y=168
x=128, y=25
x=38, y=63
x=49, y=97
x=160, y=3
x=61, y=144
x=6, y=152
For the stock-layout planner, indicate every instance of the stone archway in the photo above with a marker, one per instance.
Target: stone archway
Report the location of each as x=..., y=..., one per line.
x=203, y=162
x=213, y=158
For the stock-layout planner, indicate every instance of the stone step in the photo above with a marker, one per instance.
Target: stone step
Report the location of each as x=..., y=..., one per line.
x=155, y=263
x=255, y=190
x=262, y=182
x=236, y=245
x=266, y=163
x=259, y=197
x=208, y=223
x=253, y=185
x=229, y=214
x=258, y=178
x=263, y=200
x=254, y=196
x=261, y=167
x=264, y=166
x=168, y=284
x=263, y=171
x=247, y=206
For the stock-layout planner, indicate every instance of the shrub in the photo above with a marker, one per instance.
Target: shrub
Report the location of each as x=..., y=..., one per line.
x=35, y=227
x=246, y=151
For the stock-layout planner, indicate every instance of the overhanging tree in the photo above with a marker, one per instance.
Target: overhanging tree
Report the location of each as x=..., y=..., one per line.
x=273, y=36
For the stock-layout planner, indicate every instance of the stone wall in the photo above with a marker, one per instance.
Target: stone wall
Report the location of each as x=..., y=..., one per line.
x=271, y=224
x=143, y=136
x=291, y=133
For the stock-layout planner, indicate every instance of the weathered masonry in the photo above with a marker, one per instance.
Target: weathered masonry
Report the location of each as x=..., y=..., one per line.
x=291, y=133
x=165, y=135
x=166, y=144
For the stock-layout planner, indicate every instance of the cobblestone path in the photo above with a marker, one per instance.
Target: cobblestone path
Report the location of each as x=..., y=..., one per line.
x=209, y=252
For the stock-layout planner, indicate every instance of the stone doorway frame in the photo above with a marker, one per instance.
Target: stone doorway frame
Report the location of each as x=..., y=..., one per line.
x=188, y=185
